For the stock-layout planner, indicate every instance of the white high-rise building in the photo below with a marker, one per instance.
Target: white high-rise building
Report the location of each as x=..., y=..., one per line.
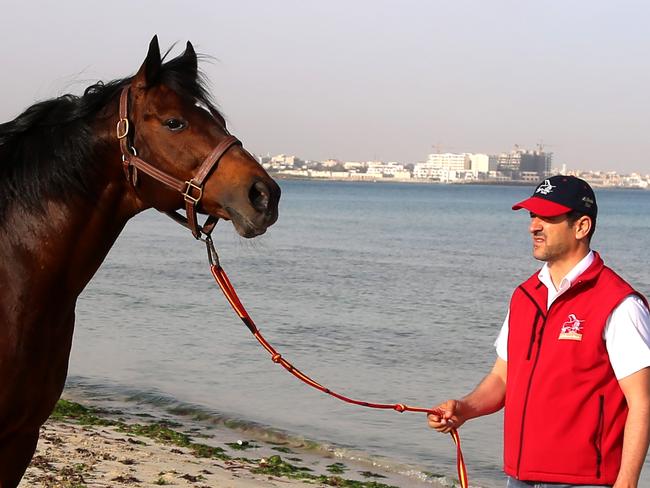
x=442, y=166
x=449, y=161
x=480, y=163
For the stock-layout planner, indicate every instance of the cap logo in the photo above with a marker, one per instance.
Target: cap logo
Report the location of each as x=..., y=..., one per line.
x=545, y=188
x=587, y=201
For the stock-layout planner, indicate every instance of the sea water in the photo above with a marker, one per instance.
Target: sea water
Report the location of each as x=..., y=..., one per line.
x=384, y=292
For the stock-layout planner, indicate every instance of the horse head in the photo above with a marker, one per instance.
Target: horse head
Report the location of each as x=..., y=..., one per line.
x=173, y=125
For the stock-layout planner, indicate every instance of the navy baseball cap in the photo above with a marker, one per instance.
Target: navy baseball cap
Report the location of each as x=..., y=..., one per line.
x=561, y=194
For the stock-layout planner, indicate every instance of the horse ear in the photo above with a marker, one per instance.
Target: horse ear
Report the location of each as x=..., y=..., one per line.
x=148, y=72
x=190, y=56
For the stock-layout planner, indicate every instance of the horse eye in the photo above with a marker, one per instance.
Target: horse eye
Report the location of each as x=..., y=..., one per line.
x=175, y=124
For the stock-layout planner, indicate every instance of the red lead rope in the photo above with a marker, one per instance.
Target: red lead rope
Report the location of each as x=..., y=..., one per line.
x=228, y=290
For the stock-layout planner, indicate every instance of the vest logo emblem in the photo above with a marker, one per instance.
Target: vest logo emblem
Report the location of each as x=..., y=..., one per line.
x=545, y=188
x=571, y=329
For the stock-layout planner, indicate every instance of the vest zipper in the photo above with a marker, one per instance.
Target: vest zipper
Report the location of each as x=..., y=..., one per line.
x=532, y=371
x=599, y=434
x=530, y=383
x=532, y=335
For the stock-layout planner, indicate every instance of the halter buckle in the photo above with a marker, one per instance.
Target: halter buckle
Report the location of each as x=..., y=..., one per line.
x=122, y=128
x=189, y=186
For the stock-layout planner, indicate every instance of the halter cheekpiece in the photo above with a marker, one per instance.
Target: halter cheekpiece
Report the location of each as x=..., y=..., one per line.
x=192, y=189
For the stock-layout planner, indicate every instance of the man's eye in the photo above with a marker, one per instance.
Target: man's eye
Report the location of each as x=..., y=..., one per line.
x=175, y=124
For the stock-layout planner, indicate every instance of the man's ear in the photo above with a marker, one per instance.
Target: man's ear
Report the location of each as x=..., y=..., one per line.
x=148, y=72
x=583, y=226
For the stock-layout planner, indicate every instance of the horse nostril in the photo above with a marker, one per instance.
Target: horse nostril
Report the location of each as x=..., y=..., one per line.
x=259, y=196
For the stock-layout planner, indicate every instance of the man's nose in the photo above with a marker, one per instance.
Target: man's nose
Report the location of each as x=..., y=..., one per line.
x=535, y=225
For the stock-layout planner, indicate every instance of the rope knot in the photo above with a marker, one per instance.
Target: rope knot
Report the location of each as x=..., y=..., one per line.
x=276, y=358
x=400, y=407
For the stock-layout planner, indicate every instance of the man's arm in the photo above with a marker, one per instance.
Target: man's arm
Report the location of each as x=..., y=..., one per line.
x=636, y=388
x=488, y=397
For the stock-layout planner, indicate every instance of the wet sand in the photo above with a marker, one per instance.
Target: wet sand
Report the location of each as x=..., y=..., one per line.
x=71, y=455
x=84, y=446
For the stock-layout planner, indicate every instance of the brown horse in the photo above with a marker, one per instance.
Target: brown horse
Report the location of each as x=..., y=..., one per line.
x=64, y=200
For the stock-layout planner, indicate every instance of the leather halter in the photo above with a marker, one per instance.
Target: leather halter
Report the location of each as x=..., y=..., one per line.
x=192, y=189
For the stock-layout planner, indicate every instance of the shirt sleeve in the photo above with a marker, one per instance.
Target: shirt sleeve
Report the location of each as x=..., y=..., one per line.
x=501, y=344
x=627, y=337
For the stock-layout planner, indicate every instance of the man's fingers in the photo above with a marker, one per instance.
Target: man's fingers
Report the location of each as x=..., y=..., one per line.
x=442, y=428
x=441, y=421
x=440, y=424
x=443, y=418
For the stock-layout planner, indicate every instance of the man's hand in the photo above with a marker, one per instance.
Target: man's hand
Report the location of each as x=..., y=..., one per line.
x=488, y=397
x=450, y=418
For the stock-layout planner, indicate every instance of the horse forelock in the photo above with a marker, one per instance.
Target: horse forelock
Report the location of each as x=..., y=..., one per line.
x=49, y=151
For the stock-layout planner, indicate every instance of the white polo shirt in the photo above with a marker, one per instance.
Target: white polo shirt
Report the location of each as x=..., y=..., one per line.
x=626, y=334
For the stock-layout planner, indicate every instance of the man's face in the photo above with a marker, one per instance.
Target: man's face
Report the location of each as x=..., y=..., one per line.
x=554, y=238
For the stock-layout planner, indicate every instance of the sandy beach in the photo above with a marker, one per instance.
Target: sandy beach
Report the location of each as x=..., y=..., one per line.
x=72, y=455
x=84, y=446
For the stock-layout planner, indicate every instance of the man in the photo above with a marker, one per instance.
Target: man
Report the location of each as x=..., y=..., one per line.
x=573, y=358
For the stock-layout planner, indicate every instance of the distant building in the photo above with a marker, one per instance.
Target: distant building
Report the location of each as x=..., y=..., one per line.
x=509, y=162
x=442, y=166
x=532, y=176
x=482, y=164
x=536, y=161
x=635, y=180
x=372, y=166
x=354, y=165
x=388, y=170
x=328, y=163
x=519, y=163
x=283, y=161
x=449, y=161
x=427, y=171
x=264, y=159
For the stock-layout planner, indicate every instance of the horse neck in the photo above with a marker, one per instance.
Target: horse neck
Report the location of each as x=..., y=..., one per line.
x=65, y=244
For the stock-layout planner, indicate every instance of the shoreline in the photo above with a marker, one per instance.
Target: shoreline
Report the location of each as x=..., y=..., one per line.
x=412, y=181
x=515, y=183
x=84, y=445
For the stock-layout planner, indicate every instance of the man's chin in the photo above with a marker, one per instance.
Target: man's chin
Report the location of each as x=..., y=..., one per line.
x=540, y=254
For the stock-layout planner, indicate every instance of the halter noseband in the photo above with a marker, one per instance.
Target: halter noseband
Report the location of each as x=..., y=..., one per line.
x=192, y=189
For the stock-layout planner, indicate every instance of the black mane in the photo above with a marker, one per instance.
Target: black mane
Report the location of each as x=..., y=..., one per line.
x=49, y=151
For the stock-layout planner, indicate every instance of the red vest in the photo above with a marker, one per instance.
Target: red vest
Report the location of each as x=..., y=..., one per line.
x=564, y=410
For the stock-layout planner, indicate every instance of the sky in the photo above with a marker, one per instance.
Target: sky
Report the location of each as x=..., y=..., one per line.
x=369, y=79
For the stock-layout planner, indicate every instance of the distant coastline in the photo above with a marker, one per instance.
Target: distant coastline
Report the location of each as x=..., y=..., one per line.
x=518, y=167
x=284, y=176
x=281, y=176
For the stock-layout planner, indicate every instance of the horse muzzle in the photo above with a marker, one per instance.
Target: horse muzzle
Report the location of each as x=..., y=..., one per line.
x=260, y=212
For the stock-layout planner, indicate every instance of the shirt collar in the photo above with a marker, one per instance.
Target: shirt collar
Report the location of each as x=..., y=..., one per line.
x=545, y=275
